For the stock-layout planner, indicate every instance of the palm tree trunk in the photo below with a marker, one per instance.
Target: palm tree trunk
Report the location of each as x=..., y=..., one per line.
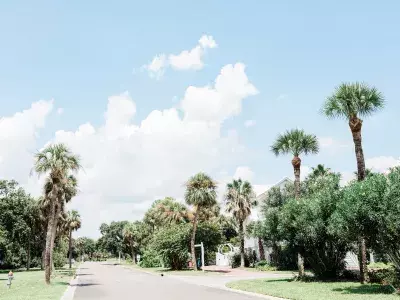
x=47, y=262
x=355, y=127
x=53, y=235
x=70, y=249
x=28, y=259
x=42, y=263
x=241, y=235
x=296, y=162
x=192, y=241
x=133, y=256
x=261, y=249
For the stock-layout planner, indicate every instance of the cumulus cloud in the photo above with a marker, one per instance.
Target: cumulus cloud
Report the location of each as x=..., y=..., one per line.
x=185, y=60
x=221, y=100
x=18, y=135
x=249, y=123
x=333, y=146
x=127, y=165
x=382, y=163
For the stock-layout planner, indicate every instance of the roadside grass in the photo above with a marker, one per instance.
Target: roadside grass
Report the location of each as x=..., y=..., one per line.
x=30, y=285
x=166, y=271
x=285, y=288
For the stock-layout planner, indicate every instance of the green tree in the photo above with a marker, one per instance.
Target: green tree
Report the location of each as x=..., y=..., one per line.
x=200, y=193
x=132, y=238
x=73, y=223
x=353, y=101
x=57, y=161
x=307, y=224
x=296, y=142
x=319, y=170
x=240, y=198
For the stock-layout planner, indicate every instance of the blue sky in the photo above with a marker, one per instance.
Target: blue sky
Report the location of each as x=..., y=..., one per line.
x=79, y=53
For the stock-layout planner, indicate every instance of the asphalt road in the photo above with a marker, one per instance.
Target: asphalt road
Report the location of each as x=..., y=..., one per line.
x=109, y=282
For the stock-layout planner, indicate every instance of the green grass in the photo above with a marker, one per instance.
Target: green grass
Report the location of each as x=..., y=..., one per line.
x=172, y=272
x=284, y=288
x=31, y=286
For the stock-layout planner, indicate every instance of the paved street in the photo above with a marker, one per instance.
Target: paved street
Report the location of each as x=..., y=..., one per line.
x=109, y=282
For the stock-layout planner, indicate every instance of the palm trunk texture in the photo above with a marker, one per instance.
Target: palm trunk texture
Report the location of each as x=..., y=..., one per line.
x=261, y=249
x=47, y=260
x=70, y=249
x=192, y=241
x=241, y=235
x=296, y=162
x=355, y=127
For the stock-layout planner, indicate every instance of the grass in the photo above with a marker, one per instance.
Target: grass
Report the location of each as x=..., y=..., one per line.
x=30, y=285
x=251, y=269
x=284, y=288
x=173, y=272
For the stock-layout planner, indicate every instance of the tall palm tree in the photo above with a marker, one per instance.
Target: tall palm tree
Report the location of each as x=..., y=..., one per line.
x=239, y=200
x=130, y=233
x=200, y=193
x=353, y=101
x=296, y=142
x=72, y=223
x=57, y=161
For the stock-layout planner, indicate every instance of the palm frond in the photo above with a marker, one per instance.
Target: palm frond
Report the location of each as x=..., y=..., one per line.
x=296, y=142
x=352, y=100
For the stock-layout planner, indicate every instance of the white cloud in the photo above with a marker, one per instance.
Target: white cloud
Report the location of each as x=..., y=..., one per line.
x=249, y=123
x=60, y=111
x=156, y=67
x=185, y=60
x=18, y=135
x=128, y=165
x=382, y=163
x=222, y=100
x=333, y=146
x=244, y=173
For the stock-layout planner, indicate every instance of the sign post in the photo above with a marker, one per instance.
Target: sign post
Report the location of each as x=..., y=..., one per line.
x=201, y=245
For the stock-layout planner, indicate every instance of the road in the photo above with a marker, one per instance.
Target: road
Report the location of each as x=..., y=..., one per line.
x=109, y=282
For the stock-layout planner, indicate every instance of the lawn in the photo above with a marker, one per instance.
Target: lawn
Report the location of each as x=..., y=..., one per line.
x=284, y=288
x=171, y=272
x=31, y=286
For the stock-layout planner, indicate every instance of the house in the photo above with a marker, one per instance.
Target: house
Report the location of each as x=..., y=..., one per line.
x=252, y=243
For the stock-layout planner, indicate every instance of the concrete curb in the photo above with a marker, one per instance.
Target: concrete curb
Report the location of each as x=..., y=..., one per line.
x=254, y=294
x=70, y=292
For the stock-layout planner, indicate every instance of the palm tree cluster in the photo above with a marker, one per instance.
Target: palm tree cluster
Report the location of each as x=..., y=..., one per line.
x=57, y=163
x=350, y=101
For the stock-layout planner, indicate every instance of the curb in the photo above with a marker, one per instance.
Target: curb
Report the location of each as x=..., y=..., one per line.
x=70, y=292
x=254, y=294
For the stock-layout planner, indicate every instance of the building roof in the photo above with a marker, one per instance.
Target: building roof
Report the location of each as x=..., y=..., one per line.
x=278, y=184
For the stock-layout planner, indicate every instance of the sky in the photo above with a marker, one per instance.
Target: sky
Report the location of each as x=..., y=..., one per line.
x=148, y=93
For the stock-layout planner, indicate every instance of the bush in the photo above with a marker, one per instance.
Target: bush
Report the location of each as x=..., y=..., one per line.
x=266, y=268
x=308, y=225
x=150, y=259
x=249, y=259
x=59, y=259
x=261, y=263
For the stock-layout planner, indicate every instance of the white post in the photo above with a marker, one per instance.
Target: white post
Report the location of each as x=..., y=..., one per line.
x=202, y=256
x=119, y=257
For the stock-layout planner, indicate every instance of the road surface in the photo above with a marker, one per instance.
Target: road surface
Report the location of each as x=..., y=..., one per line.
x=109, y=282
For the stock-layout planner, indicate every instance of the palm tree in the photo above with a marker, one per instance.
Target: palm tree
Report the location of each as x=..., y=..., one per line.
x=240, y=198
x=57, y=161
x=200, y=193
x=296, y=142
x=352, y=101
x=131, y=234
x=73, y=223
x=319, y=170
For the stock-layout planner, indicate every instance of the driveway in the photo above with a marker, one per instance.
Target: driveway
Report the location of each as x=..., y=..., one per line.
x=108, y=282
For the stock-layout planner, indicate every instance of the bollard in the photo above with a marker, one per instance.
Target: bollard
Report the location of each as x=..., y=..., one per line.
x=10, y=278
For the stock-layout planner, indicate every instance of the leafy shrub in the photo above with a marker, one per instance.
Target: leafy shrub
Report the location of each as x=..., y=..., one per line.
x=171, y=245
x=308, y=225
x=261, y=263
x=150, y=259
x=59, y=259
x=266, y=268
x=249, y=259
